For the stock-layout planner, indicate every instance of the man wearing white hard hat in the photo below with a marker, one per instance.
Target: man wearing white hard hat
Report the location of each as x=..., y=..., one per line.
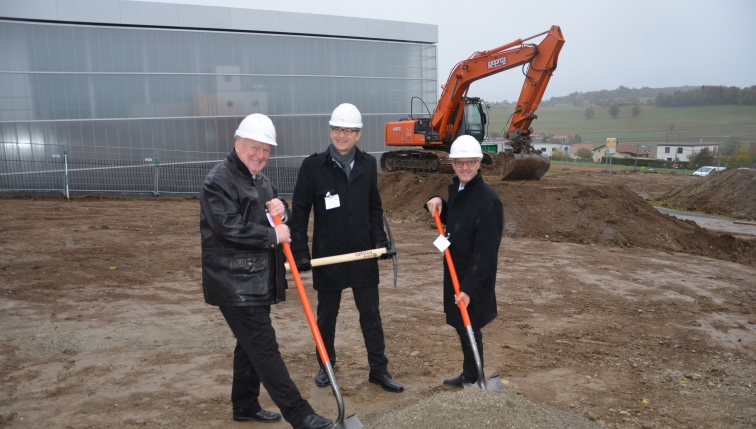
x=474, y=218
x=341, y=186
x=243, y=273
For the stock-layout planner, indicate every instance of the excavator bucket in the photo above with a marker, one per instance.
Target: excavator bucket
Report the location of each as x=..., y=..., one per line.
x=523, y=166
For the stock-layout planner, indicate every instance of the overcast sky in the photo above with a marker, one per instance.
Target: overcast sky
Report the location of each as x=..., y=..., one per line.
x=608, y=43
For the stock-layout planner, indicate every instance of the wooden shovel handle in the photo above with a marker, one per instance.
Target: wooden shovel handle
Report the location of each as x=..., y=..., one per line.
x=305, y=301
x=347, y=257
x=452, y=272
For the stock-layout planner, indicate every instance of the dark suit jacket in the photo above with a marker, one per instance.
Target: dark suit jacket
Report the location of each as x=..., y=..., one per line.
x=356, y=225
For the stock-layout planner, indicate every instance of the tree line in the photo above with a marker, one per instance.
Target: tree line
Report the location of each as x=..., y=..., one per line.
x=708, y=96
x=621, y=95
x=663, y=97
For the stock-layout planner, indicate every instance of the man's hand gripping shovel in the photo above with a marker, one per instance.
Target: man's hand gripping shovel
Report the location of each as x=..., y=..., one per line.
x=495, y=382
x=352, y=422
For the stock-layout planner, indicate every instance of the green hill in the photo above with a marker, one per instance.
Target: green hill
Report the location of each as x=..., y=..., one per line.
x=655, y=123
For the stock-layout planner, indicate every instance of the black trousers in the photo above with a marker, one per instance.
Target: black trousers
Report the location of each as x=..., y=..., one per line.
x=257, y=360
x=366, y=299
x=469, y=369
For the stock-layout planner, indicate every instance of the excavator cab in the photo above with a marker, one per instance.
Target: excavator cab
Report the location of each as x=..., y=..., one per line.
x=473, y=121
x=434, y=157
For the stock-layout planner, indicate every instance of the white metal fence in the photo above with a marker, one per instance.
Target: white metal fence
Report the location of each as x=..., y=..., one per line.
x=48, y=168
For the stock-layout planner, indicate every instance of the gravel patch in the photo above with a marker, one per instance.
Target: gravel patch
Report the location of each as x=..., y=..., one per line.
x=476, y=409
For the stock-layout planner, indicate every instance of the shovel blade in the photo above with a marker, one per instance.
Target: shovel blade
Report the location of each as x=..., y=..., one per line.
x=486, y=385
x=352, y=422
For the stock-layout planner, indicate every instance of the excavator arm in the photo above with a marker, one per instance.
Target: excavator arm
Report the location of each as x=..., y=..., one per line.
x=543, y=61
x=537, y=78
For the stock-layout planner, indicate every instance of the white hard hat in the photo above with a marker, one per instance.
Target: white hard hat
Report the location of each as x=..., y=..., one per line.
x=346, y=115
x=257, y=127
x=465, y=147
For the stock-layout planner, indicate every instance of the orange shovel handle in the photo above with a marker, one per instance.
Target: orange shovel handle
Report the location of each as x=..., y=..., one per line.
x=452, y=272
x=305, y=301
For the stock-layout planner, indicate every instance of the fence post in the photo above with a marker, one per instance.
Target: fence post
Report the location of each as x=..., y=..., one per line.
x=65, y=163
x=156, y=192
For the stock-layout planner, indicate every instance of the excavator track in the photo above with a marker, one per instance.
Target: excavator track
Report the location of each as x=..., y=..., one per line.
x=417, y=161
x=424, y=161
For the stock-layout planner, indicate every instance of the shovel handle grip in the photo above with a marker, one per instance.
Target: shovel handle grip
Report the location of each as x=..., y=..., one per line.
x=452, y=272
x=347, y=257
x=305, y=301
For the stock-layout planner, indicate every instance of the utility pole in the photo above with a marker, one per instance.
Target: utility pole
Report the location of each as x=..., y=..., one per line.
x=564, y=148
x=636, y=157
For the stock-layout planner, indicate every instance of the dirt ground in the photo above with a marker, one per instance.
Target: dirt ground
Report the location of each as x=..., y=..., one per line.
x=608, y=310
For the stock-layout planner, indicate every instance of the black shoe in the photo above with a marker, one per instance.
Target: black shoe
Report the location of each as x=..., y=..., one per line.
x=386, y=382
x=260, y=416
x=322, y=378
x=314, y=421
x=459, y=381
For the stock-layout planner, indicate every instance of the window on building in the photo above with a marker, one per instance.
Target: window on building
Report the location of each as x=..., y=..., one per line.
x=669, y=159
x=679, y=150
x=666, y=150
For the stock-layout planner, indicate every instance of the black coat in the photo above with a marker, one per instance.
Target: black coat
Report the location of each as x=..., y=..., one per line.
x=474, y=219
x=354, y=226
x=241, y=262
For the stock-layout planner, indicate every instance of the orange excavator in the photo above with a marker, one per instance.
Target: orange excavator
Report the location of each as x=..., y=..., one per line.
x=457, y=114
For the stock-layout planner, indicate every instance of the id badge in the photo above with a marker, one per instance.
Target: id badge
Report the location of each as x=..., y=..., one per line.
x=441, y=243
x=332, y=201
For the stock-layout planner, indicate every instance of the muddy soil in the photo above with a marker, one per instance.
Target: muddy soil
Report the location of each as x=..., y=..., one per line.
x=104, y=325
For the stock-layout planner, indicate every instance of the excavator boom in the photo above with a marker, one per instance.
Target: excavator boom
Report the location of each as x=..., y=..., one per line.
x=458, y=114
x=537, y=78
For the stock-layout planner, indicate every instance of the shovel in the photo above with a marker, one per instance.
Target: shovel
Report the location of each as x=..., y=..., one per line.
x=495, y=382
x=358, y=256
x=352, y=422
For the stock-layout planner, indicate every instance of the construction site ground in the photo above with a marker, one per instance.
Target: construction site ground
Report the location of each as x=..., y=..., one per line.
x=611, y=314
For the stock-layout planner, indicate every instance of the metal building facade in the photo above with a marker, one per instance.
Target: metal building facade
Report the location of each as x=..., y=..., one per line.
x=124, y=79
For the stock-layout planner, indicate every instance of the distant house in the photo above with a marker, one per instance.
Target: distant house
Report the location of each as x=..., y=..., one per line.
x=537, y=136
x=622, y=151
x=682, y=151
x=548, y=148
x=560, y=139
x=598, y=152
x=629, y=151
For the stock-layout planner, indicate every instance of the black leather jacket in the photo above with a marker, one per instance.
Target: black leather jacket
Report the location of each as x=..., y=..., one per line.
x=241, y=262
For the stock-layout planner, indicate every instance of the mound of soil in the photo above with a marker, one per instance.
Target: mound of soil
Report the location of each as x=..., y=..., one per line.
x=730, y=193
x=473, y=408
x=563, y=211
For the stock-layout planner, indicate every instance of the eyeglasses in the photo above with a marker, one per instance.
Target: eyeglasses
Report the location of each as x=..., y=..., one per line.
x=465, y=163
x=347, y=131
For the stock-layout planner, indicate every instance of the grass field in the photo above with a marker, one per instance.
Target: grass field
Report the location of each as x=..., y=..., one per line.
x=690, y=123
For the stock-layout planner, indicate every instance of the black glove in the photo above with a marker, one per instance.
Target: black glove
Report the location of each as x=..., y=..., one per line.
x=381, y=245
x=303, y=264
